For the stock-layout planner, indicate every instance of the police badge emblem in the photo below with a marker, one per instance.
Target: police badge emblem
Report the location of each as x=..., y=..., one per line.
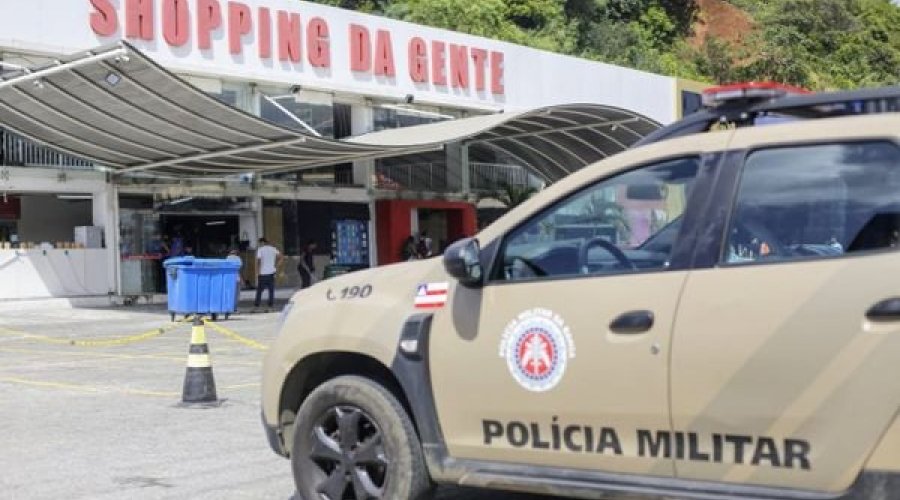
x=537, y=346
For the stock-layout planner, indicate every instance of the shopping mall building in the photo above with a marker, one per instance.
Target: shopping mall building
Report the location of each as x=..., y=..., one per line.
x=125, y=124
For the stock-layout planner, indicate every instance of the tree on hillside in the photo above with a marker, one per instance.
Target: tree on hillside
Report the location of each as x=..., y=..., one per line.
x=538, y=23
x=368, y=6
x=824, y=44
x=715, y=60
x=813, y=43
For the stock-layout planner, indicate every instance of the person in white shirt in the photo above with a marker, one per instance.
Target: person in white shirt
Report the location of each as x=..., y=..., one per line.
x=268, y=260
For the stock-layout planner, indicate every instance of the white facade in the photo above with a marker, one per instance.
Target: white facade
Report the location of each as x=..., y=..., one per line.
x=513, y=77
x=39, y=273
x=297, y=52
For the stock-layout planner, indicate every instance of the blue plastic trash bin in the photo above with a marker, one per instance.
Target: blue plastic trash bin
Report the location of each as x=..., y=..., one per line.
x=201, y=286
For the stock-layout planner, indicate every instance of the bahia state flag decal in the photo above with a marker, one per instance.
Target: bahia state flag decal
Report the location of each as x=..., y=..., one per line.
x=431, y=295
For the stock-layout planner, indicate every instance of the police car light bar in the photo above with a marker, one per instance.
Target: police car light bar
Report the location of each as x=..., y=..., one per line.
x=749, y=91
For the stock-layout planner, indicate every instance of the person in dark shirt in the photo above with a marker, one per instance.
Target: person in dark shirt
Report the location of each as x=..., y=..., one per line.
x=409, y=251
x=306, y=267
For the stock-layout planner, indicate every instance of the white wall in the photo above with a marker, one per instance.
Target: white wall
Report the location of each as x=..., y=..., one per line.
x=532, y=78
x=28, y=274
x=33, y=180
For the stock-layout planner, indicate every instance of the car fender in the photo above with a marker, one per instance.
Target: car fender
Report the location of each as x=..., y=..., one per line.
x=360, y=313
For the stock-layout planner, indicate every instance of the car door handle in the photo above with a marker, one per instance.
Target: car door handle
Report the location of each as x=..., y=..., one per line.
x=632, y=322
x=886, y=310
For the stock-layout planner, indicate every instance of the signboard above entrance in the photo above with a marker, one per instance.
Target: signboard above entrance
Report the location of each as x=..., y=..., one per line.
x=291, y=38
x=280, y=44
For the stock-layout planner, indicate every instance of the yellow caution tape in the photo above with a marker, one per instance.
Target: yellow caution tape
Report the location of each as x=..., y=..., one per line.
x=130, y=339
x=235, y=336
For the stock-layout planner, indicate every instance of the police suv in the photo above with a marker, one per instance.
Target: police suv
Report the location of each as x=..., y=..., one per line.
x=724, y=323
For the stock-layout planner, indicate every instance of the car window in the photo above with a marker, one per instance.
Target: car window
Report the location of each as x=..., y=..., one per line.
x=816, y=201
x=623, y=224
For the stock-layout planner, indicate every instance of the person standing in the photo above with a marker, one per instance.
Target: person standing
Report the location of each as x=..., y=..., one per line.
x=177, y=247
x=306, y=267
x=234, y=257
x=425, y=246
x=268, y=260
x=164, y=252
x=409, y=251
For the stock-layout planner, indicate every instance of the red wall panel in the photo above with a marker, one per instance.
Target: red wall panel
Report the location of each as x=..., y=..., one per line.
x=11, y=208
x=394, y=225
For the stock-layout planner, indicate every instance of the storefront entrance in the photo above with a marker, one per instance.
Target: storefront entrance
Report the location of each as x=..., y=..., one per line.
x=210, y=236
x=153, y=230
x=443, y=221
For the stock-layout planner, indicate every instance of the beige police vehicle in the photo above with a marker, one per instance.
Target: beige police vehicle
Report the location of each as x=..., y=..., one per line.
x=712, y=314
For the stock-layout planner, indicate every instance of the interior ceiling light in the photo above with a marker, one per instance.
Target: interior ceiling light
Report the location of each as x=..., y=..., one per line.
x=113, y=78
x=39, y=84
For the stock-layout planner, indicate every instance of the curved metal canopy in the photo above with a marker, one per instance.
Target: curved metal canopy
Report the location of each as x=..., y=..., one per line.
x=553, y=141
x=118, y=108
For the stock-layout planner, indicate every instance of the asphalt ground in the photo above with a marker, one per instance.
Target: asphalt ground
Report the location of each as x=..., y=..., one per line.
x=84, y=414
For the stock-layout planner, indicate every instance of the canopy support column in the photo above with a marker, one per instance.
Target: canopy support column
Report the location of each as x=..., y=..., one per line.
x=466, y=174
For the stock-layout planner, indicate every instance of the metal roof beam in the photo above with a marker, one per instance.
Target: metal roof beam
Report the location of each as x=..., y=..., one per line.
x=56, y=112
x=589, y=126
x=61, y=66
x=116, y=120
x=567, y=132
x=562, y=168
x=155, y=116
x=296, y=119
x=97, y=161
x=213, y=154
x=86, y=144
x=366, y=155
x=528, y=165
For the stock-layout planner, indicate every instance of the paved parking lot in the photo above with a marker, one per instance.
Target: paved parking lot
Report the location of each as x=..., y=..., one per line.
x=102, y=421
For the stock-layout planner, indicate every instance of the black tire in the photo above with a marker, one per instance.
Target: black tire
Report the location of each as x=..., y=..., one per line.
x=358, y=468
x=215, y=317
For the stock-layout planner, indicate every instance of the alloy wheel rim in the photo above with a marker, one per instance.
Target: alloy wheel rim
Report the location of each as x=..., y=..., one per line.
x=348, y=450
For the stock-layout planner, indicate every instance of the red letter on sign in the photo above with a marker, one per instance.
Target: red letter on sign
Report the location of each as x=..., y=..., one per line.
x=317, y=43
x=459, y=66
x=103, y=20
x=265, y=33
x=289, y=37
x=438, y=63
x=497, y=72
x=384, y=54
x=239, y=24
x=139, y=19
x=209, y=18
x=176, y=22
x=479, y=58
x=418, y=60
x=360, y=48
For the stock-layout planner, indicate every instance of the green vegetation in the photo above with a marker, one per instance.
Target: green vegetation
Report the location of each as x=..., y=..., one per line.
x=511, y=196
x=818, y=44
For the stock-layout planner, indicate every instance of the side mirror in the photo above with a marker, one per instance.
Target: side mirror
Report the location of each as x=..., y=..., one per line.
x=462, y=261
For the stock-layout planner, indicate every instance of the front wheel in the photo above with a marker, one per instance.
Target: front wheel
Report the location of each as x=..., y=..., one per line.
x=355, y=441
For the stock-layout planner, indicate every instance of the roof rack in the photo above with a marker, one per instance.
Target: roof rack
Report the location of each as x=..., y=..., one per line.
x=744, y=105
